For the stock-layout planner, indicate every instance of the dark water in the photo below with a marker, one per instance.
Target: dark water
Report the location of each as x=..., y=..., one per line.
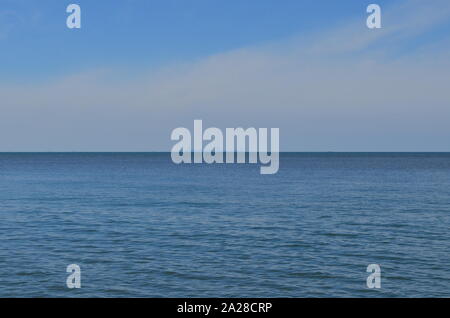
x=139, y=225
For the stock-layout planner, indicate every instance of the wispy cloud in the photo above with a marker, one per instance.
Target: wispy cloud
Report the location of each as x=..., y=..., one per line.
x=349, y=88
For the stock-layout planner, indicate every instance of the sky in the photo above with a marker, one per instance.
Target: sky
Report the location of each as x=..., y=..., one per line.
x=138, y=69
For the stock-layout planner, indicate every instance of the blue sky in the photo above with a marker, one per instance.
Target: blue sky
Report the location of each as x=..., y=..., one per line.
x=138, y=69
x=149, y=33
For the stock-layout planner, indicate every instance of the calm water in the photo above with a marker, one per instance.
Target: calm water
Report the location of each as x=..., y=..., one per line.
x=139, y=225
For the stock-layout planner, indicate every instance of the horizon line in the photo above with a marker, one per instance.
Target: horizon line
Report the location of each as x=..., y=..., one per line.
x=168, y=152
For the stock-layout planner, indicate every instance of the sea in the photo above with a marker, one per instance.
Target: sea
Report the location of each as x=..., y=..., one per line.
x=138, y=225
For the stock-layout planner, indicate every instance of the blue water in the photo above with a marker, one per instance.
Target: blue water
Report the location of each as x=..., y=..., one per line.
x=140, y=226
